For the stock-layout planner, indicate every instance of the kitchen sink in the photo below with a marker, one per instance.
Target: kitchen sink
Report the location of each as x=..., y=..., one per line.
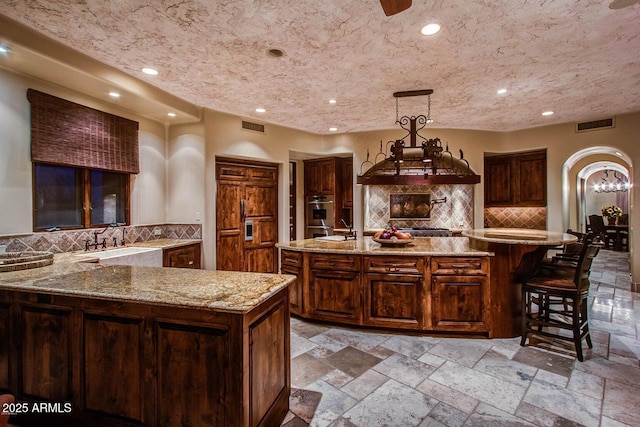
x=136, y=256
x=332, y=238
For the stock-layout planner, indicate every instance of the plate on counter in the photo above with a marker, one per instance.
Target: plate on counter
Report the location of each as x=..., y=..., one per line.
x=394, y=242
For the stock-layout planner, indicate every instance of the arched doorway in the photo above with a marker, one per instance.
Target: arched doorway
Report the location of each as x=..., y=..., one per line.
x=601, y=184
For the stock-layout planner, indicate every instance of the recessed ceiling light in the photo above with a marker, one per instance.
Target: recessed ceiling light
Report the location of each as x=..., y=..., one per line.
x=150, y=71
x=171, y=114
x=114, y=94
x=430, y=29
x=547, y=113
x=621, y=4
x=260, y=110
x=332, y=101
x=501, y=91
x=275, y=53
x=333, y=129
x=4, y=49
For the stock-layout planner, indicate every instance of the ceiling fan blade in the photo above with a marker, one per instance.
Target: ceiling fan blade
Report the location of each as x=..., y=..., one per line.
x=391, y=7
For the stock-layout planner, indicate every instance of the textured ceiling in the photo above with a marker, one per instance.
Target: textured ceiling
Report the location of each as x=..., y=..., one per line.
x=580, y=59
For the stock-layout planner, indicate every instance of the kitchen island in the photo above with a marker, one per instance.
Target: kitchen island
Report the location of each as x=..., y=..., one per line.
x=464, y=285
x=434, y=284
x=150, y=346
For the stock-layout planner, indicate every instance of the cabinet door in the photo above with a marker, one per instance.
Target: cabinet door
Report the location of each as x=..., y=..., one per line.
x=531, y=177
x=229, y=244
x=4, y=349
x=295, y=288
x=498, y=181
x=459, y=303
x=334, y=295
x=291, y=263
x=347, y=179
x=393, y=300
x=261, y=208
x=312, y=184
x=182, y=257
x=327, y=177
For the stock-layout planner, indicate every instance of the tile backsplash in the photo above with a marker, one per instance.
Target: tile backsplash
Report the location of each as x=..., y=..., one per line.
x=535, y=218
x=456, y=212
x=74, y=240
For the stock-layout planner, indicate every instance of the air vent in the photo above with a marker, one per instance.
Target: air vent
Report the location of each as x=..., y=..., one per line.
x=595, y=125
x=255, y=127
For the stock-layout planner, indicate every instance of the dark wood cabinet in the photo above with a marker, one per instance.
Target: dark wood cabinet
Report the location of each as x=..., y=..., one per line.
x=187, y=256
x=319, y=177
x=460, y=294
x=246, y=216
x=334, y=288
x=518, y=180
x=130, y=363
x=394, y=292
x=331, y=177
x=419, y=293
x=291, y=263
x=347, y=180
x=498, y=181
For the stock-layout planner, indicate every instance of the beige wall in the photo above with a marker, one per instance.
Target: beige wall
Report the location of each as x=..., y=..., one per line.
x=177, y=178
x=148, y=201
x=225, y=137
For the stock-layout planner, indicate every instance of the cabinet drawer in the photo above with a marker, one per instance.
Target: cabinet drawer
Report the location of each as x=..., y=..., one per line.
x=334, y=262
x=460, y=265
x=291, y=258
x=388, y=264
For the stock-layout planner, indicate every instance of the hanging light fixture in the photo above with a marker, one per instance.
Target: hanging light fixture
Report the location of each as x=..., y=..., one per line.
x=606, y=186
x=414, y=159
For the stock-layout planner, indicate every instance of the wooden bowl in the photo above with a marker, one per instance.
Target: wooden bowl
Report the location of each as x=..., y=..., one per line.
x=394, y=242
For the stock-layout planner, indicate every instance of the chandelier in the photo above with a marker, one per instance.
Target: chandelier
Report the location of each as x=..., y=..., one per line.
x=607, y=186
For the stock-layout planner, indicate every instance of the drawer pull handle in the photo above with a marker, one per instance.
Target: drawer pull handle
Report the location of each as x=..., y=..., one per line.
x=190, y=262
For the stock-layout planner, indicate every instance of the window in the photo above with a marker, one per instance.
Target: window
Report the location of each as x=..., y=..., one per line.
x=61, y=194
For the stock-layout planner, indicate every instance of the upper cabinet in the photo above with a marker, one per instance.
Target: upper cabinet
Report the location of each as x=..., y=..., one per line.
x=319, y=177
x=518, y=179
x=331, y=177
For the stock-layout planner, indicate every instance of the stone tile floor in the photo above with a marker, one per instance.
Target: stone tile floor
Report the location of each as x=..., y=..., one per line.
x=344, y=377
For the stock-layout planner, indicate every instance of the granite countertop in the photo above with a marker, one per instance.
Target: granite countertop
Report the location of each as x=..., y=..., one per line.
x=217, y=290
x=448, y=246
x=520, y=236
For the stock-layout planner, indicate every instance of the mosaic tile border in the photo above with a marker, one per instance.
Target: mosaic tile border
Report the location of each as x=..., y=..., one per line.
x=74, y=240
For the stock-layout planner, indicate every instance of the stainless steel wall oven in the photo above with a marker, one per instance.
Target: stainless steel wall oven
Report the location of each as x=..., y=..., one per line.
x=319, y=216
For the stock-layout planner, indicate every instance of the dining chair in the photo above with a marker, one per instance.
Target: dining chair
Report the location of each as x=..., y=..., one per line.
x=598, y=228
x=556, y=301
x=4, y=417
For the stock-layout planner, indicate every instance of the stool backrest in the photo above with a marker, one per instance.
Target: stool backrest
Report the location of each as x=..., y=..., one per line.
x=581, y=278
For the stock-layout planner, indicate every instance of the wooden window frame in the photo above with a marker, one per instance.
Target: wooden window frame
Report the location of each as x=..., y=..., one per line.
x=86, y=198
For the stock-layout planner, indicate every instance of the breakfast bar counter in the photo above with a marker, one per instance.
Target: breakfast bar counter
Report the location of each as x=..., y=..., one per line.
x=517, y=253
x=146, y=346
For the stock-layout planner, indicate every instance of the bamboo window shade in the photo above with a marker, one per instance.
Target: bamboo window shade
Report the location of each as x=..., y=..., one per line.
x=70, y=134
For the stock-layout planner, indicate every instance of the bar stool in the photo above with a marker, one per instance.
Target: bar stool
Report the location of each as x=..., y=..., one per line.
x=556, y=299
